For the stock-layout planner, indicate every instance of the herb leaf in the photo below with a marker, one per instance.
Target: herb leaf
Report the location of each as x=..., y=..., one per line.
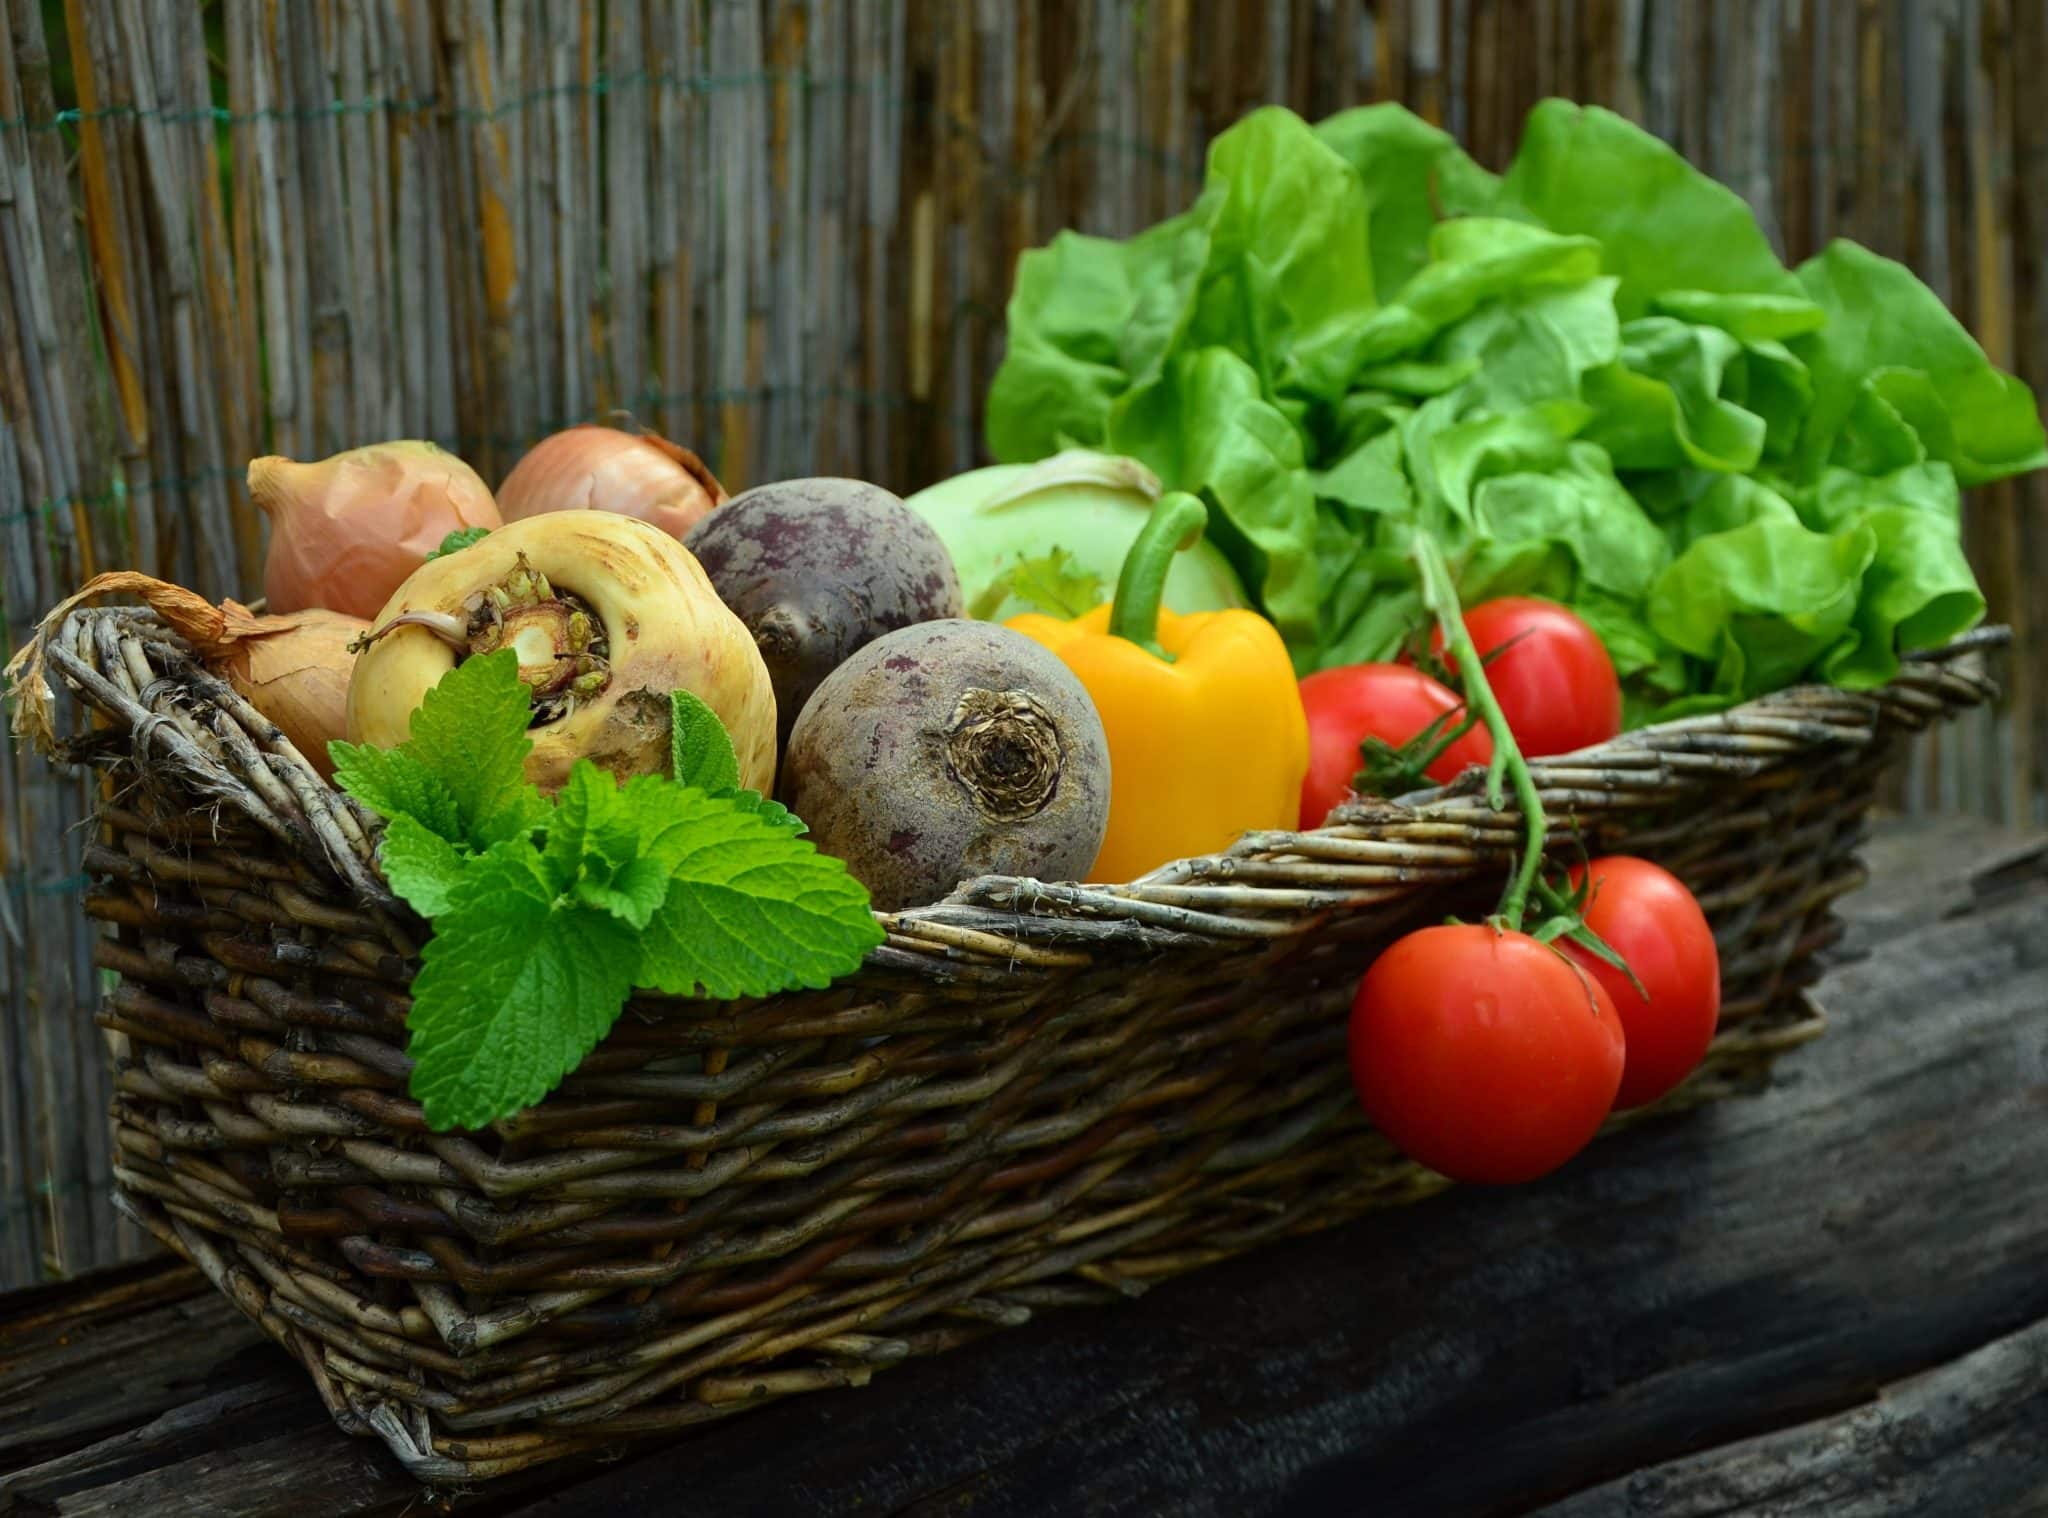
x=1054, y=583
x=547, y=913
x=394, y=783
x=751, y=908
x=470, y=730
x=614, y=848
x=700, y=749
x=421, y=864
x=514, y=988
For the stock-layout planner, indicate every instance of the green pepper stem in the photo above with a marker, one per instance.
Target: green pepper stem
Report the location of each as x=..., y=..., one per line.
x=1441, y=596
x=1176, y=524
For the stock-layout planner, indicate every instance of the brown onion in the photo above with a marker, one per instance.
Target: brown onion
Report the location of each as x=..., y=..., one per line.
x=636, y=474
x=297, y=676
x=294, y=669
x=346, y=531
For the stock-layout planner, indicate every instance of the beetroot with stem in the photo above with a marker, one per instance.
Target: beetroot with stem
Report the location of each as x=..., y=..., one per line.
x=817, y=568
x=950, y=750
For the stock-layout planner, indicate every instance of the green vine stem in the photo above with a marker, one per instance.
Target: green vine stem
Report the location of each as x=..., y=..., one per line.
x=1441, y=597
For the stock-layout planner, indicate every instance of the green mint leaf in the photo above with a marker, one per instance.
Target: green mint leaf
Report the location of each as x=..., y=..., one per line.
x=769, y=811
x=392, y=782
x=633, y=895
x=593, y=832
x=459, y=539
x=470, y=733
x=422, y=866
x=515, y=987
x=751, y=909
x=1054, y=583
x=700, y=749
x=613, y=848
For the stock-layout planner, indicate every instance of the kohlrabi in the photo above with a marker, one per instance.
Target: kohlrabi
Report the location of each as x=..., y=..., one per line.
x=1022, y=533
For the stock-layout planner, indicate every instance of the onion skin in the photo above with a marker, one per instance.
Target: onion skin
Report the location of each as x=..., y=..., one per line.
x=295, y=671
x=347, y=530
x=597, y=468
x=667, y=629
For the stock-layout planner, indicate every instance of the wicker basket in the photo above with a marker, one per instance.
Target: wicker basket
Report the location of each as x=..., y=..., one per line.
x=1032, y=1094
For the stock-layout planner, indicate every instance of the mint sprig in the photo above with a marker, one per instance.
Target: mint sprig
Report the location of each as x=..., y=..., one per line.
x=548, y=912
x=700, y=749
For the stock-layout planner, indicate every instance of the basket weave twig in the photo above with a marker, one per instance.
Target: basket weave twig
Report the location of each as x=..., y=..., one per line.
x=1032, y=1095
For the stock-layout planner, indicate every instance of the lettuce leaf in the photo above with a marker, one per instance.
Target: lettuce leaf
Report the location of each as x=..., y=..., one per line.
x=1661, y=224
x=1758, y=604
x=1590, y=378
x=1411, y=176
x=1890, y=354
x=1206, y=426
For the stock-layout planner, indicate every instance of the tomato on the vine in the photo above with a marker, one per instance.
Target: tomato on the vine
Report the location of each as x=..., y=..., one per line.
x=1391, y=702
x=1648, y=917
x=1484, y=1054
x=1552, y=677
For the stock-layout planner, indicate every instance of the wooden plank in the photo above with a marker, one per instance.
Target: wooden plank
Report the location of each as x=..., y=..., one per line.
x=64, y=1387
x=1965, y=1438
x=296, y=1472
x=253, y=1409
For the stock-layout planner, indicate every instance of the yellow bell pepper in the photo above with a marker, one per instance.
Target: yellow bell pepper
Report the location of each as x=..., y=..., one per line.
x=1207, y=738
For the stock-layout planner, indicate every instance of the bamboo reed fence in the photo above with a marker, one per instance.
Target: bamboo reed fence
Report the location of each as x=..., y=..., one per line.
x=783, y=230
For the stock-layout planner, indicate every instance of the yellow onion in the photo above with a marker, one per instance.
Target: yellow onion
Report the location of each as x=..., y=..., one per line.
x=293, y=668
x=346, y=531
x=595, y=468
x=297, y=676
x=607, y=614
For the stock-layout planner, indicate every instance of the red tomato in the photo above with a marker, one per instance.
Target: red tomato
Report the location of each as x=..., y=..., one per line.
x=1650, y=919
x=1387, y=701
x=1556, y=686
x=1485, y=1056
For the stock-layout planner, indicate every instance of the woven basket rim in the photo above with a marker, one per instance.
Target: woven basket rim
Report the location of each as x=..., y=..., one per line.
x=1268, y=884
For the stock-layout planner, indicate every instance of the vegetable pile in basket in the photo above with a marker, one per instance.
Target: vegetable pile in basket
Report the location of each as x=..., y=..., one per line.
x=1257, y=456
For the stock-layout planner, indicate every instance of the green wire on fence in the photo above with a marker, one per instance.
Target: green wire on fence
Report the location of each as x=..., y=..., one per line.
x=64, y=885
x=596, y=87
x=45, y=1192
x=117, y=495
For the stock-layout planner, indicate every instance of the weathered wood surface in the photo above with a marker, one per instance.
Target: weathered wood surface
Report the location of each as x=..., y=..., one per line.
x=1963, y=1438
x=1830, y=1299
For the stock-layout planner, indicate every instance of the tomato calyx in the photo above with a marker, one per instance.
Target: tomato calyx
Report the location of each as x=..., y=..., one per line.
x=1563, y=920
x=1388, y=770
x=1566, y=920
x=1420, y=649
